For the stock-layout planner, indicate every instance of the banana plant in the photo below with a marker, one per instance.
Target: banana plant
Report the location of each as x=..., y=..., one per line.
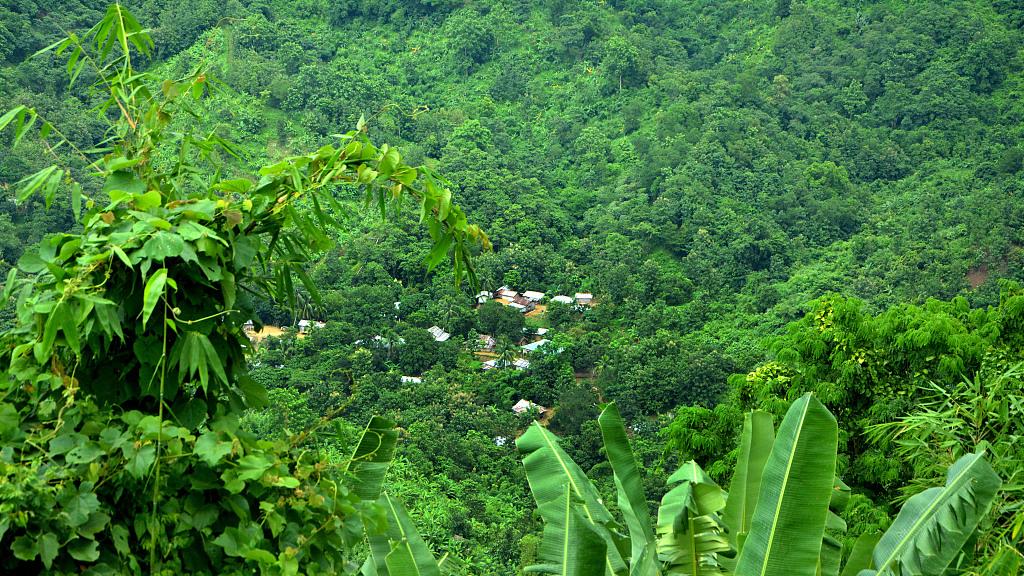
x=692, y=538
x=755, y=446
x=396, y=547
x=796, y=487
x=933, y=526
x=781, y=518
x=550, y=472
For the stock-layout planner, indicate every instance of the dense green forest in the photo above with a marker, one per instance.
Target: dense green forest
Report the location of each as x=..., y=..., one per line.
x=764, y=198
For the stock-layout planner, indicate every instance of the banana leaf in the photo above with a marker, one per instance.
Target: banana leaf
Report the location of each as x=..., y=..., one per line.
x=573, y=548
x=690, y=534
x=933, y=526
x=860, y=556
x=631, y=498
x=755, y=446
x=372, y=457
x=549, y=471
x=796, y=487
x=401, y=551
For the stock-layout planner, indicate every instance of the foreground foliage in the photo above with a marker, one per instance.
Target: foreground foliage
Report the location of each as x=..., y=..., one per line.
x=781, y=518
x=126, y=372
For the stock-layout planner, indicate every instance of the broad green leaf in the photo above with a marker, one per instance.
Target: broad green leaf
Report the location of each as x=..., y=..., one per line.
x=25, y=548
x=252, y=466
x=211, y=449
x=860, y=556
x=48, y=547
x=691, y=538
x=79, y=506
x=629, y=486
x=549, y=470
x=126, y=182
x=9, y=421
x=755, y=446
x=575, y=550
x=409, y=554
x=84, y=550
x=84, y=454
x=163, y=245
x=152, y=294
x=934, y=525
x=372, y=457
x=796, y=487
x=139, y=460
x=146, y=201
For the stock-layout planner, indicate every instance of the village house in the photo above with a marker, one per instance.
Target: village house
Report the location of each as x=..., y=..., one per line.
x=382, y=342
x=439, y=334
x=562, y=299
x=524, y=406
x=523, y=304
x=487, y=342
x=484, y=296
x=517, y=306
x=518, y=364
x=584, y=298
x=533, y=295
x=306, y=325
x=534, y=346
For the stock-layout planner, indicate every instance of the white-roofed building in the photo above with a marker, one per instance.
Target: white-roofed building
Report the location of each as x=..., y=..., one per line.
x=533, y=295
x=439, y=334
x=524, y=406
x=584, y=297
x=534, y=346
x=518, y=364
x=562, y=299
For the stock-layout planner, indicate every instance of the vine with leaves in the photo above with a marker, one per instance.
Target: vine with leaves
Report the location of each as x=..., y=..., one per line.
x=126, y=371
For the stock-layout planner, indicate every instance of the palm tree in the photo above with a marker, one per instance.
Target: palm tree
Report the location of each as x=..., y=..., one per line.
x=507, y=351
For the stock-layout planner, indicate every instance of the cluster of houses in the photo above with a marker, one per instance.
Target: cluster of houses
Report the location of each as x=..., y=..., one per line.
x=487, y=345
x=528, y=300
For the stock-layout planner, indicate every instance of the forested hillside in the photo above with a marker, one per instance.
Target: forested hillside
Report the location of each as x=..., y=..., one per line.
x=763, y=198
